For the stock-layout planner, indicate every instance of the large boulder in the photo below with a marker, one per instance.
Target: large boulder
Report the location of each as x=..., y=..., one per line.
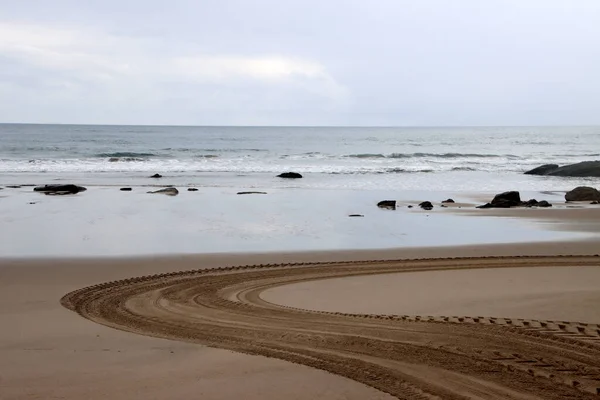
x=582, y=169
x=583, y=193
x=59, y=189
x=290, y=175
x=156, y=176
x=506, y=200
x=542, y=170
x=170, y=191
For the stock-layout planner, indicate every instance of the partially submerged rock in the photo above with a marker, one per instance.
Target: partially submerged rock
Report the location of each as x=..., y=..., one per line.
x=127, y=189
x=447, y=201
x=583, y=193
x=389, y=204
x=290, y=175
x=251, y=192
x=542, y=169
x=192, y=190
x=59, y=189
x=156, y=176
x=582, y=169
x=426, y=205
x=356, y=215
x=170, y=191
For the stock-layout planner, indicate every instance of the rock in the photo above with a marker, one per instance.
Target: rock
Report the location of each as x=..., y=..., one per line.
x=594, y=202
x=251, y=192
x=389, y=204
x=290, y=175
x=448, y=201
x=512, y=196
x=542, y=170
x=543, y=203
x=126, y=189
x=192, y=190
x=59, y=189
x=486, y=205
x=156, y=176
x=409, y=206
x=13, y=186
x=583, y=193
x=530, y=203
x=581, y=170
x=356, y=215
x=426, y=205
x=170, y=191
x=506, y=200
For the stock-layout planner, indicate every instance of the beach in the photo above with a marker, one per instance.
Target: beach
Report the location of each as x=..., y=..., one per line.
x=306, y=289
x=48, y=350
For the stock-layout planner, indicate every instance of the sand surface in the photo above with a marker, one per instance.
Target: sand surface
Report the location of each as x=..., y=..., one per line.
x=48, y=351
x=569, y=293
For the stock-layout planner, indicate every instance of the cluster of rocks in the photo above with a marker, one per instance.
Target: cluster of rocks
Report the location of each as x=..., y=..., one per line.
x=513, y=199
x=425, y=205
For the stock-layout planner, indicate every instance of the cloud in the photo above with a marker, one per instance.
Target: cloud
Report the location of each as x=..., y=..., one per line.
x=94, y=67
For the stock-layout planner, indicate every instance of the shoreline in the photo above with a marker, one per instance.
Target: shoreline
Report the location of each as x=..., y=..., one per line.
x=108, y=222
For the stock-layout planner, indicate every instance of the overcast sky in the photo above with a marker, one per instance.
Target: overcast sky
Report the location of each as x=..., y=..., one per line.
x=306, y=62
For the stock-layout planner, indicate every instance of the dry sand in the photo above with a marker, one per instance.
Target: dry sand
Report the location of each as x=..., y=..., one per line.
x=48, y=351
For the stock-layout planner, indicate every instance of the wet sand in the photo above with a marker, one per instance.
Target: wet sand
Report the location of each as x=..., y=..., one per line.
x=47, y=350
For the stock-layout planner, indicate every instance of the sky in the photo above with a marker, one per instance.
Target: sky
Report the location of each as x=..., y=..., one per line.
x=306, y=62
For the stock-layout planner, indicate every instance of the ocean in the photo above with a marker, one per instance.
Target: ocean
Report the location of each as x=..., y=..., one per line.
x=457, y=158
x=346, y=171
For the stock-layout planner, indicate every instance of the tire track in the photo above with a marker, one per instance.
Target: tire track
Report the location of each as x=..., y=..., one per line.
x=409, y=357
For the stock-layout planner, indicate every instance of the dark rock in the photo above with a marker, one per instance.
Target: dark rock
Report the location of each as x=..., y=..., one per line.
x=192, y=190
x=32, y=202
x=530, y=203
x=156, y=176
x=594, y=202
x=409, y=206
x=13, y=186
x=251, y=192
x=356, y=215
x=448, y=201
x=59, y=189
x=170, y=191
x=583, y=193
x=542, y=170
x=444, y=206
x=507, y=199
x=486, y=205
x=389, y=204
x=426, y=205
x=126, y=189
x=290, y=175
x=582, y=169
x=543, y=203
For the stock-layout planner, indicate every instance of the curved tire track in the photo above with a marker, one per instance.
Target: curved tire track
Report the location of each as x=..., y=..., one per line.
x=409, y=357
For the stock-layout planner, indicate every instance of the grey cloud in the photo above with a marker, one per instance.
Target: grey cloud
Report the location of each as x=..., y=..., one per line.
x=385, y=62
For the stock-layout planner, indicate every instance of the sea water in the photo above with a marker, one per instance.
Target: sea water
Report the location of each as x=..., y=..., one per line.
x=466, y=159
